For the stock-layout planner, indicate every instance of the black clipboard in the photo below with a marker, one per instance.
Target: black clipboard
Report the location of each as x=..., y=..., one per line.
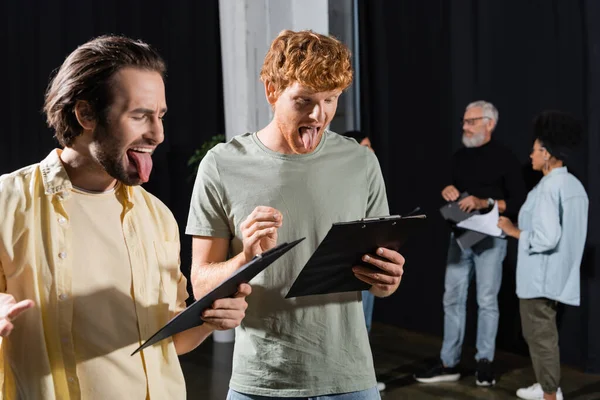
x=329, y=270
x=452, y=213
x=191, y=316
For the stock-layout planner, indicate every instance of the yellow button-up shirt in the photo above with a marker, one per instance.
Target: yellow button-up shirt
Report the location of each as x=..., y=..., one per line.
x=35, y=243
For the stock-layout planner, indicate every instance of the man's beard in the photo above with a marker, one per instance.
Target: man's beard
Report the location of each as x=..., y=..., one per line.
x=475, y=140
x=108, y=153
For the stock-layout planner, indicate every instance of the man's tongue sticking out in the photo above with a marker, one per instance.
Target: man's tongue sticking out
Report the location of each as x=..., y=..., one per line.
x=308, y=135
x=143, y=163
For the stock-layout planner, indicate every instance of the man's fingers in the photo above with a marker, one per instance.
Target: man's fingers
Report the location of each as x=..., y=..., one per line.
x=377, y=277
x=262, y=213
x=19, y=308
x=260, y=226
x=391, y=255
x=375, y=283
x=265, y=209
x=264, y=216
x=243, y=290
x=223, y=324
x=222, y=313
x=466, y=204
x=231, y=303
x=450, y=193
x=6, y=327
x=256, y=236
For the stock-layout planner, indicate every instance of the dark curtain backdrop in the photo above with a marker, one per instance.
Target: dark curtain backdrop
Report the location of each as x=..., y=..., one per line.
x=422, y=63
x=36, y=37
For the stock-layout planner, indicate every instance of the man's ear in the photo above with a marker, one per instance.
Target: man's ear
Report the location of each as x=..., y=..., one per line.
x=491, y=124
x=271, y=93
x=85, y=115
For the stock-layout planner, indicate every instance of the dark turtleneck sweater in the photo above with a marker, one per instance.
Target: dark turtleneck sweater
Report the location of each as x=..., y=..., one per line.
x=490, y=171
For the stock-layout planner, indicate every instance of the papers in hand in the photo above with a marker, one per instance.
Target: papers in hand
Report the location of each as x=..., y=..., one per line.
x=484, y=223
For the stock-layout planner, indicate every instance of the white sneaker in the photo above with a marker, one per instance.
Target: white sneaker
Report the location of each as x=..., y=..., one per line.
x=380, y=386
x=535, y=392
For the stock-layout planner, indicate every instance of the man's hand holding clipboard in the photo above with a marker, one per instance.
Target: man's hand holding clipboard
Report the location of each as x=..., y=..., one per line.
x=358, y=255
x=390, y=262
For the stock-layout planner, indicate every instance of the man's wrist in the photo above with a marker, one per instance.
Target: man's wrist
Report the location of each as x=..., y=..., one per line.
x=483, y=204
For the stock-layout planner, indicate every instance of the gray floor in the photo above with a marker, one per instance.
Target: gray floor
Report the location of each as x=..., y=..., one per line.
x=397, y=354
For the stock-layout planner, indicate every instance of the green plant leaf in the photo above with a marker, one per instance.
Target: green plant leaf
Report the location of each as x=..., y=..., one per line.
x=199, y=154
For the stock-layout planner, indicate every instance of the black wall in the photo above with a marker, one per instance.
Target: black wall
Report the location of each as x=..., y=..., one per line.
x=422, y=63
x=36, y=36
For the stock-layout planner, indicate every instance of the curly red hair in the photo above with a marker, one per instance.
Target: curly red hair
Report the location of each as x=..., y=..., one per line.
x=321, y=63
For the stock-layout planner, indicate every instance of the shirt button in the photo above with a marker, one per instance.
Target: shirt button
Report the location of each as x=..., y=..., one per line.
x=63, y=296
x=62, y=220
x=62, y=255
x=65, y=340
x=71, y=379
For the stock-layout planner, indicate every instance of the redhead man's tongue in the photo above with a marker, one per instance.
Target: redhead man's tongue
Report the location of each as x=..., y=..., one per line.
x=309, y=136
x=143, y=163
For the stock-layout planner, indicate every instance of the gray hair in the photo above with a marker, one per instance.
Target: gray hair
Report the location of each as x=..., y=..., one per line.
x=489, y=110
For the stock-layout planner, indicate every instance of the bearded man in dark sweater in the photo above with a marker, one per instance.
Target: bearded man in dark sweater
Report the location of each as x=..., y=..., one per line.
x=490, y=174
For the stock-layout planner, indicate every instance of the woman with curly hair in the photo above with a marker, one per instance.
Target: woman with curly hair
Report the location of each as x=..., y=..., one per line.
x=551, y=232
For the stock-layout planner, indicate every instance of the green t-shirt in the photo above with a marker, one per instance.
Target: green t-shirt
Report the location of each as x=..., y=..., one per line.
x=306, y=346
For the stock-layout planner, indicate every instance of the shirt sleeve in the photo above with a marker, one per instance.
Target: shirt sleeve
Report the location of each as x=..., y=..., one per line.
x=545, y=229
x=207, y=216
x=182, y=295
x=10, y=202
x=2, y=279
x=176, y=277
x=377, y=204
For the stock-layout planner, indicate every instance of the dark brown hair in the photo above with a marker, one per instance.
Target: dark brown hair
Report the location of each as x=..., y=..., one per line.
x=86, y=74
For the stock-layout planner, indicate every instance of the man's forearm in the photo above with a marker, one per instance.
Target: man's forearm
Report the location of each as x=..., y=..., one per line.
x=187, y=341
x=483, y=204
x=205, y=277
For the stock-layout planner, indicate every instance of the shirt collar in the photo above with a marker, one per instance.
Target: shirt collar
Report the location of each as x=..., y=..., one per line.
x=54, y=174
x=56, y=180
x=557, y=171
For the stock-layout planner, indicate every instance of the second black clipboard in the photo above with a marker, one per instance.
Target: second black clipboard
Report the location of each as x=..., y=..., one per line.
x=329, y=270
x=191, y=316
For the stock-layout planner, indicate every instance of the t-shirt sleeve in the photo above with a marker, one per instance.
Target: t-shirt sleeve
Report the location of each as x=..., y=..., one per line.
x=207, y=216
x=377, y=204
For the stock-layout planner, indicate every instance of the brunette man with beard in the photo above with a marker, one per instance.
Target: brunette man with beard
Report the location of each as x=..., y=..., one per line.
x=89, y=261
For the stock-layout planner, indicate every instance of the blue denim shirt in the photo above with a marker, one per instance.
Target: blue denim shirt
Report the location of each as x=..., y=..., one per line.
x=553, y=223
